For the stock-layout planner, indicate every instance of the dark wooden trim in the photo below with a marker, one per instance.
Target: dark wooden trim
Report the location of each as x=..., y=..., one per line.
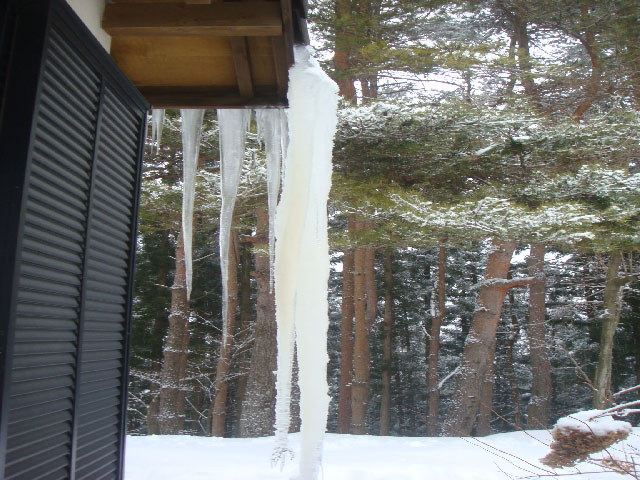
x=226, y=19
x=240, y=51
x=211, y=98
x=282, y=69
x=287, y=30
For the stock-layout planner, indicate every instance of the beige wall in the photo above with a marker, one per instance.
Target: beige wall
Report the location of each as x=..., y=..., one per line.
x=90, y=11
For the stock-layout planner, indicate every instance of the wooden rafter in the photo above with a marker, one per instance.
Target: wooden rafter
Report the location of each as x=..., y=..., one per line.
x=240, y=53
x=281, y=67
x=260, y=18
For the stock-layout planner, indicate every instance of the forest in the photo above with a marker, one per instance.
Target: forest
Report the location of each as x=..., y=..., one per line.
x=484, y=229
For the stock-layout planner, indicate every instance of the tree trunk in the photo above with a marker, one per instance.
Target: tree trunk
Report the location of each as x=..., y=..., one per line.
x=360, y=385
x=244, y=332
x=171, y=400
x=433, y=392
x=346, y=341
x=398, y=390
x=371, y=290
x=510, y=365
x=226, y=347
x=342, y=52
x=521, y=35
x=541, y=387
x=258, y=409
x=483, y=426
x=385, y=402
x=610, y=319
x=588, y=41
x=476, y=367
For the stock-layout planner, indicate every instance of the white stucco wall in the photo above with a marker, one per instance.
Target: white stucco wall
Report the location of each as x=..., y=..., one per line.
x=90, y=11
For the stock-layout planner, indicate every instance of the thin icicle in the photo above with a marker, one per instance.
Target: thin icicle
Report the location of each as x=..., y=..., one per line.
x=233, y=126
x=157, y=123
x=270, y=133
x=191, y=134
x=302, y=258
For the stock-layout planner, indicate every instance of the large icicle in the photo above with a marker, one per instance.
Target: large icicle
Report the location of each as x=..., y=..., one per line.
x=157, y=123
x=233, y=126
x=191, y=134
x=270, y=132
x=302, y=258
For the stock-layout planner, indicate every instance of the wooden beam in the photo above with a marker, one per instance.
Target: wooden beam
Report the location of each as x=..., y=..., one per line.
x=243, y=67
x=211, y=98
x=282, y=69
x=287, y=29
x=178, y=19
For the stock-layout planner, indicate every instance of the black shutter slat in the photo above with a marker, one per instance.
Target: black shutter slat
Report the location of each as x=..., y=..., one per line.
x=98, y=462
x=39, y=220
x=47, y=287
x=45, y=311
x=39, y=385
x=41, y=373
x=94, y=403
x=46, y=398
x=67, y=155
x=39, y=335
x=105, y=195
x=103, y=253
x=48, y=462
x=54, y=428
x=101, y=356
x=33, y=412
x=103, y=367
x=67, y=206
x=55, y=112
x=42, y=360
x=112, y=212
x=81, y=105
x=106, y=268
x=36, y=425
x=111, y=288
x=32, y=271
x=47, y=257
x=42, y=297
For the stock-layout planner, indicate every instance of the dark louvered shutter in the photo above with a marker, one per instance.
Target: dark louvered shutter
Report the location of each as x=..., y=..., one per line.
x=71, y=137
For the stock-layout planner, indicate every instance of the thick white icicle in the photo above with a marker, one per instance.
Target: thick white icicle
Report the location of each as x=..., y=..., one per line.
x=233, y=126
x=157, y=123
x=191, y=134
x=302, y=257
x=270, y=132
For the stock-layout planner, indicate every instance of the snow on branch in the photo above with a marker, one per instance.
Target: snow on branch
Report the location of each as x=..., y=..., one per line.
x=505, y=283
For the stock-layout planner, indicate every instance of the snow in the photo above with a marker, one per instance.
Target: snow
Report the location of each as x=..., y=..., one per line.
x=233, y=124
x=302, y=259
x=191, y=134
x=272, y=129
x=350, y=457
x=157, y=123
x=593, y=421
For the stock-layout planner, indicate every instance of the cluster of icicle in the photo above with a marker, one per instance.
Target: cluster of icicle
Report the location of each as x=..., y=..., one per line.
x=298, y=146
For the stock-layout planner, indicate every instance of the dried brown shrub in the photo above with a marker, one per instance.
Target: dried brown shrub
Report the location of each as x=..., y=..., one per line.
x=571, y=446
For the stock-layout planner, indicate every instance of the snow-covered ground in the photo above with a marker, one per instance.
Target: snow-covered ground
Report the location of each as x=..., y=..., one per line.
x=349, y=457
